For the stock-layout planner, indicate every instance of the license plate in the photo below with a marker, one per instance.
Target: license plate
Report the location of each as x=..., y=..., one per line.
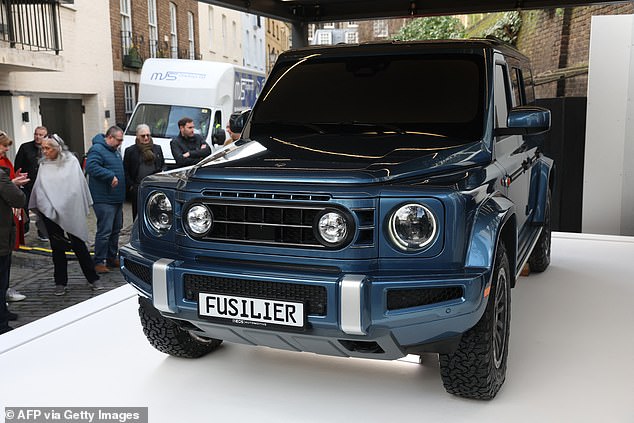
x=244, y=310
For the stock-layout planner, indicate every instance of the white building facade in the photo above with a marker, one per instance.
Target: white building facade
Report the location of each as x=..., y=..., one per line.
x=70, y=92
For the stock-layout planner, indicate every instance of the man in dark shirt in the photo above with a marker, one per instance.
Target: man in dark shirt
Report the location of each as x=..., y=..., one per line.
x=28, y=159
x=187, y=147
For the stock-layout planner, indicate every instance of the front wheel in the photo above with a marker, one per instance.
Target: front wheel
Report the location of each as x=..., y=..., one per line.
x=477, y=369
x=169, y=338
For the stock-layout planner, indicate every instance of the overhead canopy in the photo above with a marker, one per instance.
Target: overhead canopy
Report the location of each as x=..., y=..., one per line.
x=303, y=11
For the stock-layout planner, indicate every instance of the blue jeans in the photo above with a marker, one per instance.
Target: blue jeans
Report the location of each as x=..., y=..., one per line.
x=109, y=223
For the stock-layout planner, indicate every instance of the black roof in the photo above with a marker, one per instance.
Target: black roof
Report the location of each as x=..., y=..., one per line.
x=386, y=47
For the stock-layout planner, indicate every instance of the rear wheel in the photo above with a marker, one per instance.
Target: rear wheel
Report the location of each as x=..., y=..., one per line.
x=540, y=256
x=477, y=369
x=169, y=338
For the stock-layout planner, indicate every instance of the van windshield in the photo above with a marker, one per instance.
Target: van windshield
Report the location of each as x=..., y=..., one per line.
x=163, y=119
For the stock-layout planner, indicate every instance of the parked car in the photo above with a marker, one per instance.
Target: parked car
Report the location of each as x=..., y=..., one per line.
x=382, y=201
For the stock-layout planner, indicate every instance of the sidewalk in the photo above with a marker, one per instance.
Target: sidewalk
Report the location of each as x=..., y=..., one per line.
x=32, y=275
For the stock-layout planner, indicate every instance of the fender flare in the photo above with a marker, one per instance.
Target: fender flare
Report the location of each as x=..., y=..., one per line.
x=490, y=224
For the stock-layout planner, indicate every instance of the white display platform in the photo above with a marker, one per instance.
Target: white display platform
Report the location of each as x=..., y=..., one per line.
x=571, y=360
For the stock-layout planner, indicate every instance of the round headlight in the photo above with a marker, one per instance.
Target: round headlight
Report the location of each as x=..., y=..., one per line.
x=412, y=227
x=332, y=228
x=199, y=219
x=158, y=212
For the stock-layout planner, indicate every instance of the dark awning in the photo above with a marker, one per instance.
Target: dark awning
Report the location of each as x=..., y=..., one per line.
x=297, y=11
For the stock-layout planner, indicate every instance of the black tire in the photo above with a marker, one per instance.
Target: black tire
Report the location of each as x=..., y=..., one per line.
x=477, y=369
x=540, y=256
x=169, y=338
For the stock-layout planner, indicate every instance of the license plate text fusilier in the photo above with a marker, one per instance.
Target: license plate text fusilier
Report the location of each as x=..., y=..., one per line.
x=251, y=309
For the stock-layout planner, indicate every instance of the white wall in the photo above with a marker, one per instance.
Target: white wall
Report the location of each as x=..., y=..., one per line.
x=216, y=44
x=253, y=42
x=86, y=74
x=608, y=191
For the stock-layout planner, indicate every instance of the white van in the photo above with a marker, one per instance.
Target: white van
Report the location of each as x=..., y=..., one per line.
x=208, y=92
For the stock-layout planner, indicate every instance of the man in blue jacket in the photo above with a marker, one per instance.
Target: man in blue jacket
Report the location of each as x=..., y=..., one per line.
x=106, y=180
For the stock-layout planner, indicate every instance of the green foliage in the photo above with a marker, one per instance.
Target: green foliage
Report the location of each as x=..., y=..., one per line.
x=431, y=28
x=506, y=27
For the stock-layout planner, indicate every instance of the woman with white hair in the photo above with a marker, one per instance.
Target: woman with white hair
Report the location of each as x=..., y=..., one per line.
x=61, y=194
x=140, y=160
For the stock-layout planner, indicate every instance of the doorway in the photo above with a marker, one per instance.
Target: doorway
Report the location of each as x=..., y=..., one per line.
x=64, y=118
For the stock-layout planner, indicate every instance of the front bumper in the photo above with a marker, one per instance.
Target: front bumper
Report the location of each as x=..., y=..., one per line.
x=359, y=316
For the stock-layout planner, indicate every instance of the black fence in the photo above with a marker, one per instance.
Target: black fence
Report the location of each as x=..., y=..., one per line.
x=565, y=143
x=31, y=25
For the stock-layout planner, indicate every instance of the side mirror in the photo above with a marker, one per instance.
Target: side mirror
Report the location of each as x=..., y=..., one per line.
x=526, y=120
x=218, y=136
x=237, y=120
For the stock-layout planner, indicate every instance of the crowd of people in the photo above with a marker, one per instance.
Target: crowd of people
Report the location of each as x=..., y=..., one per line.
x=48, y=180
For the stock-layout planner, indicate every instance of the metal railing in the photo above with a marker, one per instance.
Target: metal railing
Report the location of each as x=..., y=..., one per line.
x=31, y=25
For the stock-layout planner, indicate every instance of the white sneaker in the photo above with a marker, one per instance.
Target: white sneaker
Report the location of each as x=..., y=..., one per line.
x=13, y=295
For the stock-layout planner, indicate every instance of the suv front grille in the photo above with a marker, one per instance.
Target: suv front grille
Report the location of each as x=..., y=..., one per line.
x=313, y=296
x=284, y=224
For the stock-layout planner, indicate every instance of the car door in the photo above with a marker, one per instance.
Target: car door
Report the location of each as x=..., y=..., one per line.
x=510, y=153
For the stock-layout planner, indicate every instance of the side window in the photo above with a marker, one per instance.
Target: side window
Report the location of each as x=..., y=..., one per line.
x=217, y=120
x=518, y=87
x=529, y=86
x=502, y=98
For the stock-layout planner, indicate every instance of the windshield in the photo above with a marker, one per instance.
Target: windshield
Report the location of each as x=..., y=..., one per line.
x=163, y=119
x=437, y=96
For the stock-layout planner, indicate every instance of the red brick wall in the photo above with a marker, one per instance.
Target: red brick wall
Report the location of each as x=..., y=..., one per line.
x=559, y=38
x=140, y=31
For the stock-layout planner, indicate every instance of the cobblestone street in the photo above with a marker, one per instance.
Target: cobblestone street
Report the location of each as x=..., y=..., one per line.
x=32, y=275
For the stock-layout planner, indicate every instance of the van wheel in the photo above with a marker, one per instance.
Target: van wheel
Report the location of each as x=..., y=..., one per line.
x=477, y=369
x=540, y=257
x=169, y=338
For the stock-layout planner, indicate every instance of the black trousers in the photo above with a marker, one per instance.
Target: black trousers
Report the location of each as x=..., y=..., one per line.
x=60, y=244
x=5, y=264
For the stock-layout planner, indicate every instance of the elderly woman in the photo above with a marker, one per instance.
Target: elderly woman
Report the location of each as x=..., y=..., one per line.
x=61, y=194
x=140, y=160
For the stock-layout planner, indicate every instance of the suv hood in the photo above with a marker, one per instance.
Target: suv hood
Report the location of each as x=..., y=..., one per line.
x=251, y=161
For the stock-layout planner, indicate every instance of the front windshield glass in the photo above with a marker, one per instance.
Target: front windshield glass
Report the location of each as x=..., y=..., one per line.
x=441, y=96
x=163, y=119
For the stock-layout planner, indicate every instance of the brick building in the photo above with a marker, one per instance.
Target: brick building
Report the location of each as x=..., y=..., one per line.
x=143, y=29
x=557, y=42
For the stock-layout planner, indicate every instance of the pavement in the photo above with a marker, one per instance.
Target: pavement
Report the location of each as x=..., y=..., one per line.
x=32, y=275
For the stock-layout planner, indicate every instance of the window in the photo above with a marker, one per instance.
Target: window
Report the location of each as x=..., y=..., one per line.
x=352, y=37
x=126, y=26
x=353, y=24
x=173, y=32
x=190, y=36
x=311, y=31
x=224, y=34
x=234, y=35
x=129, y=99
x=329, y=25
x=518, y=89
x=324, y=38
x=153, y=30
x=529, y=87
x=210, y=27
x=501, y=99
x=380, y=28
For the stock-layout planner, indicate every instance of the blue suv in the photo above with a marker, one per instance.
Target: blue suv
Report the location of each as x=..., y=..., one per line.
x=382, y=201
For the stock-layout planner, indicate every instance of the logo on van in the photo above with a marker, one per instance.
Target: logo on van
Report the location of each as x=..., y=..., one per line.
x=174, y=75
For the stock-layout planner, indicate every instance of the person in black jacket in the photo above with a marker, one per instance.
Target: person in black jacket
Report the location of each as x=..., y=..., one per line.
x=140, y=160
x=10, y=197
x=187, y=147
x=28, y=159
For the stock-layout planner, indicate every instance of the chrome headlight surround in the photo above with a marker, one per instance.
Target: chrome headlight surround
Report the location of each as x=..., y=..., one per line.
x=159, y=213
x=198, y=220
x=333, y=228
x=412, y=227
